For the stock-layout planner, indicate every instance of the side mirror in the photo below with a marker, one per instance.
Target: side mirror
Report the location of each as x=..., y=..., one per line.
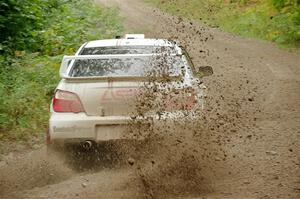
x=204, y=71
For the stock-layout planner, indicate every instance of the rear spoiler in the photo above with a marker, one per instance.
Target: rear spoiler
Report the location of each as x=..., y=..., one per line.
x=68, y=61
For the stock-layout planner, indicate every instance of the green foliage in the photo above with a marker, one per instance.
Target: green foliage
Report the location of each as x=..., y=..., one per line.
x=20, y=18
x=25, y=90
x=35, y=34
x=52, y=26
x=274, y=20
x=54, y=39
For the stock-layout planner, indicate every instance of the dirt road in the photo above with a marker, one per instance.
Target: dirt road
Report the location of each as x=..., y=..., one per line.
x=247, y=144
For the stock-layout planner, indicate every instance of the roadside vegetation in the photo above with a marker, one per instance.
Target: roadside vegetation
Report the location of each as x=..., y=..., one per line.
x=35, y=34
x=272, y=20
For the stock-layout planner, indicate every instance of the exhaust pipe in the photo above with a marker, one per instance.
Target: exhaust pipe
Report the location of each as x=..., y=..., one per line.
x=87, y=144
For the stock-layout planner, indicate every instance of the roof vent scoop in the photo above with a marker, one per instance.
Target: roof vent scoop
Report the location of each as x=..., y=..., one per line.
x=134, y=36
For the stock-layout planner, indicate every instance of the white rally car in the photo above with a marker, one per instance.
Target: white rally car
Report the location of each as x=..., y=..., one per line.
x=99, y=87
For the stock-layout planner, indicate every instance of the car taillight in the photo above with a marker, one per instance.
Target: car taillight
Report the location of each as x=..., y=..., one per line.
x=181, y=99
x=65, y=101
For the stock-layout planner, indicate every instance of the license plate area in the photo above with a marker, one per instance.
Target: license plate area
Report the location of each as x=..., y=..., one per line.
x=109, y=132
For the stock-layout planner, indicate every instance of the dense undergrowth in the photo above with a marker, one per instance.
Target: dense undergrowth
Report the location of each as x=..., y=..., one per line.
x=34, y=36
x=273, y=20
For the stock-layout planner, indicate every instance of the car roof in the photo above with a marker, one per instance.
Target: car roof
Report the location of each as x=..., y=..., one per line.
x=129, y=42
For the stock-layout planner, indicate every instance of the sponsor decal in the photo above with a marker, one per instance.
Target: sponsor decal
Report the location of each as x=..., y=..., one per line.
x=71, y=129
x=118, y=94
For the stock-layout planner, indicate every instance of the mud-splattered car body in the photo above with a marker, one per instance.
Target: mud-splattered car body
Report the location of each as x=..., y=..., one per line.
x=102, y=88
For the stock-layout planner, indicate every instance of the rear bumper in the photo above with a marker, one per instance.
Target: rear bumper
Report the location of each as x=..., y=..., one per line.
x=69, y=127
x=76, y=128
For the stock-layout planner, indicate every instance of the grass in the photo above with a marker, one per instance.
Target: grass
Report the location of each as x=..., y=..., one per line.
x=265, y=19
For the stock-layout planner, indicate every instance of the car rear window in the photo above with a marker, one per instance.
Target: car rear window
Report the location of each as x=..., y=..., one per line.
x=128, y=66
x=112, y=50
